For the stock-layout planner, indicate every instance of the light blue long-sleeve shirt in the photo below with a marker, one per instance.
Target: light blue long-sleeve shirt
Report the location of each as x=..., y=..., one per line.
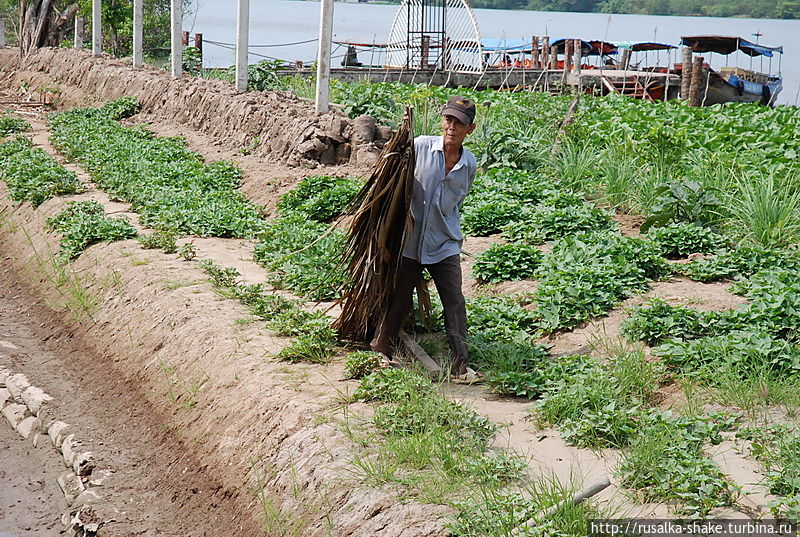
x=436, y=201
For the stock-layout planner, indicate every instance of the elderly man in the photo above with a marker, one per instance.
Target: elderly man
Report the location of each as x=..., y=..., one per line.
x=443, y=175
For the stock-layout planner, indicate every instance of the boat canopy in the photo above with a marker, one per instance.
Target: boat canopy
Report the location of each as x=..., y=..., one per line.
x=637, y=46
x=499, y=44
x=727, y=45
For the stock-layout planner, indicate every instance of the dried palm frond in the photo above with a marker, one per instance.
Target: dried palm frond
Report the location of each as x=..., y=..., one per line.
x=381, y=215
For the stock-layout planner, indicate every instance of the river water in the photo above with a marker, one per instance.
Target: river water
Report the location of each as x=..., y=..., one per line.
x=288, y=21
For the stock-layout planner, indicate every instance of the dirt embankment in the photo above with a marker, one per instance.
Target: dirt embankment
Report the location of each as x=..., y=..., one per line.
x=263, y=428
x=277, y=125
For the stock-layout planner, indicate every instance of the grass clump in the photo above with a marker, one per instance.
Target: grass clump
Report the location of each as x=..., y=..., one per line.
x=681, y=239
x=162, y=239
x=32, y=175
x=502, y=262
x=11, y=125
x=665, y=462
x=320, y=197
x=83, y=223
x=361, y=363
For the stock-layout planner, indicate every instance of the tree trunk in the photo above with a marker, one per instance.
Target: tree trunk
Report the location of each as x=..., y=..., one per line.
x=41, y=25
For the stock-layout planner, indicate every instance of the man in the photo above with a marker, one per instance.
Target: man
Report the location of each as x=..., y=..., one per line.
x=443, y=174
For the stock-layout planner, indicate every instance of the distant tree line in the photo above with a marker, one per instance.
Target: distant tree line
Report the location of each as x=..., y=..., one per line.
x=762, y=9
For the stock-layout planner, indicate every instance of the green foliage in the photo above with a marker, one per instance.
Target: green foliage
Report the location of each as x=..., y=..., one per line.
x=361, y=363
x=300, y=257
x=392, y=386
x=121, y=108
x=666, y=462
x=741, y=352
x=743, y=261
x=11, y=125
x=499, y=318
x=682, y=201
x=164, y=240
x=545, y=222
x=585, y=276
x=501, y=262
x=777, y=448
x=489, y=213
x=307, y=349
x=320, y=197
x=83, y=223
x=658, y=322
x=192, y=60
x=168, y=185
x=187, y=251
x=682, y=239
x=32, y=175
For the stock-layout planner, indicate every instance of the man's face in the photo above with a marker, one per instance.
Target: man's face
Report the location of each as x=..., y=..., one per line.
x=455, y=131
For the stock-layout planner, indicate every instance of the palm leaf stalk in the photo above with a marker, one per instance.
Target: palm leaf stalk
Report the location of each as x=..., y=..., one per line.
x=374, y=246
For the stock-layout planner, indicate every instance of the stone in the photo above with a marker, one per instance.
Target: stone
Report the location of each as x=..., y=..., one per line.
x=100, y=477
x=58, y=431
x=69, y=450
x=365, y=155
x=385, y=132
x=83, y=464
x=28, y=426
x=4, y=374
x=16, y=384
x=14, y=414
x=311, y=148
x=5, y=396
x=364, y=129
x=35, y=399
x=71, y=485
x=86, y=497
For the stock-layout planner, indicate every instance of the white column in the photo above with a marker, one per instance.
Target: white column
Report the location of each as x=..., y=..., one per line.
x=242, y=44
x=97, y=32
x=138, y=13
x=78, y=39
x=2, y=33
x=176, y=15
x=324, y=56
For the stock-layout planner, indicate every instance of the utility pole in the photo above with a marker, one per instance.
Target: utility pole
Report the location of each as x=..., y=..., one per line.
x=324, y=56
x=138, y=14
x=176, y=55
x=242, y=44
x=97, y=32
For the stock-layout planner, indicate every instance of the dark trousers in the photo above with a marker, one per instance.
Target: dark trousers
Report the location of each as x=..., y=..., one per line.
x=447, y=277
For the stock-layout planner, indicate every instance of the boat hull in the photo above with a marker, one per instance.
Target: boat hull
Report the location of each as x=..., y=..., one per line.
x=737, y=90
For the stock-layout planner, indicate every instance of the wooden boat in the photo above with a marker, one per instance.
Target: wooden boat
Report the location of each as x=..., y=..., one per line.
x=735, y=84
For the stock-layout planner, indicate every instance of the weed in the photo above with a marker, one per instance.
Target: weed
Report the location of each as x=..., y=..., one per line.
x=361, y=363
x=187, y=251
x=161, y=239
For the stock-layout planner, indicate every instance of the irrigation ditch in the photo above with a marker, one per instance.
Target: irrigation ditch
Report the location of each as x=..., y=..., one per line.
x=287, y=444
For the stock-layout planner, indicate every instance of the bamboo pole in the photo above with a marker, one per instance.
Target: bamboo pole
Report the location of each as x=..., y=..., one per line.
x=694, y=90
x=686, y=73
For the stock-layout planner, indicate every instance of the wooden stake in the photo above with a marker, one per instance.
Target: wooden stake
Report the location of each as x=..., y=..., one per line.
x=546, y=52
x=198, y=42
x=535, y=52
x=697, y=75
x=686, y=73
x=185, y=38
x=578, y=56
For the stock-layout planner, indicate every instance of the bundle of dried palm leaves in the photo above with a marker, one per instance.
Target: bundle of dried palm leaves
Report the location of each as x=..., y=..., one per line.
x=375, y=242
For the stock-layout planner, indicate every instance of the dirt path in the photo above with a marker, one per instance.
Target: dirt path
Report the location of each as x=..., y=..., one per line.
x=30, y=501
x=156, y=488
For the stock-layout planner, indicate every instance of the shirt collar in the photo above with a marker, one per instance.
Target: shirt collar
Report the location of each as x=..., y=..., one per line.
x=438, y=145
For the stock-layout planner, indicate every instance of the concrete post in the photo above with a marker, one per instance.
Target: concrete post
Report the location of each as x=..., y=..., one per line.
x=176, y=53
x=80, y=22
x=324, y=56
x=686, y=73
x=138, y=35
x=242, y=44
x=2, y=33
x=578, y=56
x=97, y=32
